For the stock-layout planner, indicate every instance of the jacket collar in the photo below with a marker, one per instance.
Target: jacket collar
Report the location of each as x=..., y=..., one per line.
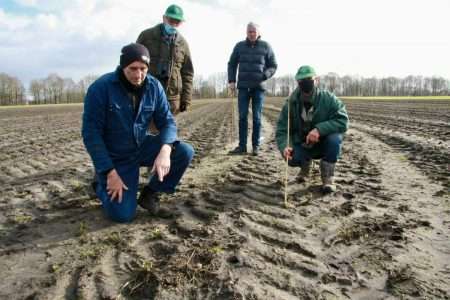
x=116, y=77
x=175, y=38
x=247, y=41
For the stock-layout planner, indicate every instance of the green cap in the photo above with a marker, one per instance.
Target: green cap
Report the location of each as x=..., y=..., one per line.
x=305, y=72
x=174, y=12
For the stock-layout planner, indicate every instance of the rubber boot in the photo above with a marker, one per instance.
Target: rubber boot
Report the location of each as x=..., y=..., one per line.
x=255, y=151
x=305, y=171
x=327, y=173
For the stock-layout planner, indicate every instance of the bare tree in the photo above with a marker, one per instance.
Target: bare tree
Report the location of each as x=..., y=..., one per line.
x=12, y=91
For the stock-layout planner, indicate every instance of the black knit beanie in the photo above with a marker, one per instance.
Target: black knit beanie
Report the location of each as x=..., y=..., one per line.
x=134, y=52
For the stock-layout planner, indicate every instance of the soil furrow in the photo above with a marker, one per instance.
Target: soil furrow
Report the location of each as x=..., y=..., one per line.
x=384, y=234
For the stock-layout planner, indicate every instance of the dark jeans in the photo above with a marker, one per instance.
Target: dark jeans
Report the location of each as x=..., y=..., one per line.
x=257, y=98
x=125, y=211
x=328, y=148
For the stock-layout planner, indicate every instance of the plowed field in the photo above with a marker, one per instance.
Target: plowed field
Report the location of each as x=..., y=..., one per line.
x=385, y=234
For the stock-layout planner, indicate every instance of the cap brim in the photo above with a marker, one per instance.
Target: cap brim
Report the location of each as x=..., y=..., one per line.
x=303, y=76
x=174, y=17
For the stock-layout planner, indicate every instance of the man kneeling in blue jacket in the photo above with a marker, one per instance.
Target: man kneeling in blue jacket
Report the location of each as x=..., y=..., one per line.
x=118, y=110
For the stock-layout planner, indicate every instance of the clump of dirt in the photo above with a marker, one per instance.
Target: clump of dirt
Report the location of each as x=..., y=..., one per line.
x=365, y=228
x=143, y=281
x=345, y=209
x=120, y=240
x=402, y=281
x=196, y=266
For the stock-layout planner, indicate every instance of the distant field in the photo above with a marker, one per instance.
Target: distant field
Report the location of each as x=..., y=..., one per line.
x=390, y=98
x=50, y=106
x=271, y=99
x=39, y=105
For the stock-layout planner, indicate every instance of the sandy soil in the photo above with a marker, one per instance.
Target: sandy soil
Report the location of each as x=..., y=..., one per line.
x=384, y=235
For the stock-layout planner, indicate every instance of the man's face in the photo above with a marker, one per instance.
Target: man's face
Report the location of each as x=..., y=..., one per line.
x=172, y=22
x=135, y=72
x=252, y=34
x=306, y=85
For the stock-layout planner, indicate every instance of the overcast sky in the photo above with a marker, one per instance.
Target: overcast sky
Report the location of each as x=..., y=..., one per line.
x=75, y=38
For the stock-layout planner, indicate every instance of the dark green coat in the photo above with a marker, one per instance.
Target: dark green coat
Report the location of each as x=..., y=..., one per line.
x=329, y=117
x=179, y=87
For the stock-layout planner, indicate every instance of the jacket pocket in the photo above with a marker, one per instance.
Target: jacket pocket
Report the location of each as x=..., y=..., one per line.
x=179, y=57
x=174, y=87
x=115, y=117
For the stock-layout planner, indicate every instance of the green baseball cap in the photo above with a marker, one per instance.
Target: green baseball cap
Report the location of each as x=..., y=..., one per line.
x=305, y=72
x=174, y=12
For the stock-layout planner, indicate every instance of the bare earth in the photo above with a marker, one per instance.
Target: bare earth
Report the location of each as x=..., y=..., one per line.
x=384, y=235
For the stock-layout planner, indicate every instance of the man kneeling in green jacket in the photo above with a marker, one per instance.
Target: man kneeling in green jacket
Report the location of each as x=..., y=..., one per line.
x=318, y=120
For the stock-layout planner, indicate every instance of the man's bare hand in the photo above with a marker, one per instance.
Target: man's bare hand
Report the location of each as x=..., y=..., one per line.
x=232, y=88
x=288, y=152
x=115, y=186
x=162, y=162
x=313, y=137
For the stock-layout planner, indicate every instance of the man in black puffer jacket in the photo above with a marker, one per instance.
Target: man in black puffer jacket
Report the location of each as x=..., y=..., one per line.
x=257, y=63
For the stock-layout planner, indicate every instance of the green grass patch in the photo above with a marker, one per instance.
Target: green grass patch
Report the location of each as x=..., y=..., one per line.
x=118, y=240
x=402, y=157
x=155, y=234
x=22, y=219
x=76, y=186
x=82, y=232
x=91, y=252
x=216, y=250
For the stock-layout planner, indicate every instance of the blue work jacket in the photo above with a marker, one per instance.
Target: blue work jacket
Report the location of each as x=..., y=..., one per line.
x=111, y=132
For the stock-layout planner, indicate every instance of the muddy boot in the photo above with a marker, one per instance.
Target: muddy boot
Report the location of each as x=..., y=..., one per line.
x=305, y=171
x=255, y=151
x=327, y=173
x=149, y=200
x=238, y=151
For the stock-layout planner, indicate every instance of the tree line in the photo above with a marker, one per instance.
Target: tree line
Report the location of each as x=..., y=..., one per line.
x=215, y=86
x=12, y=91
x=55, y=89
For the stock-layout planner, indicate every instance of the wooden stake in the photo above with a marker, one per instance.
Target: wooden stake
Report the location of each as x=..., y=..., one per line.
x=232, y=117
x=287, y=163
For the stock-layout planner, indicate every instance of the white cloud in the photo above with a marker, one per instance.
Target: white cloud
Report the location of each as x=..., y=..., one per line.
x=9, y=23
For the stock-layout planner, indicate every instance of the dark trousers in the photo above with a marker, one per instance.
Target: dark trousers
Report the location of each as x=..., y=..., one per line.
x=328, y=148
x=128, y=171
x=257, y=98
